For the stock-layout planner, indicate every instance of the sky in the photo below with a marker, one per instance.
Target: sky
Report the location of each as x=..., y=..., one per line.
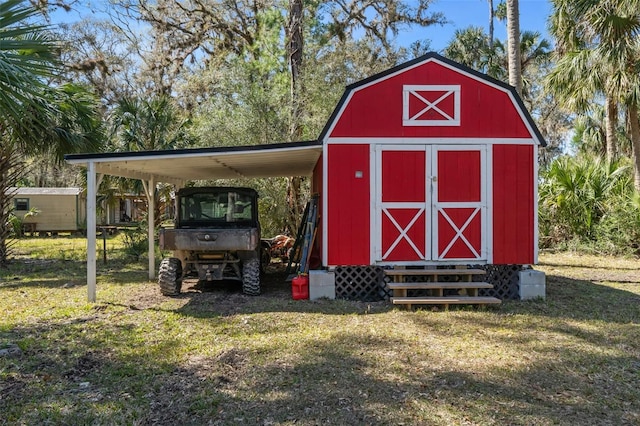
x=464, y=13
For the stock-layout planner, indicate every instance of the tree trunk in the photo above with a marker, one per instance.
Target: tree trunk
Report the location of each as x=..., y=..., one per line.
x=635, y=143
x=491, y=18
x=611, y=120
x=295, y=50
x=295, y=61
x=513, y=40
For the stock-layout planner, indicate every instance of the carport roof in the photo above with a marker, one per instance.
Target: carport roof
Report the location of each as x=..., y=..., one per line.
x=180, y=165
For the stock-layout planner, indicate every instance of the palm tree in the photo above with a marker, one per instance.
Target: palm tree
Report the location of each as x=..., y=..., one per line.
x=34, y=117
x=581, y=73
x=513, y=45
x=492, y=15
x=590, y=133
x=599, y=48
x=148, y=125
x=473, y=48
x=26, y=57
x=535, y=56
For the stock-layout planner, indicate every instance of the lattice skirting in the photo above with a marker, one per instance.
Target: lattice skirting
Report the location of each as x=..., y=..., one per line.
x=369, y=283
x=505, y=280
x=365, y=283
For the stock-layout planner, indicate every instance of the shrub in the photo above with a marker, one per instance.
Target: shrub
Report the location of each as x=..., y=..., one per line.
x=135, y=241
x=619, y=229
x=588, y=201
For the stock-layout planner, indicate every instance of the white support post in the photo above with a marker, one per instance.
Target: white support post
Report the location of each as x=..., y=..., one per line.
x=150, y=192
x=91, y=232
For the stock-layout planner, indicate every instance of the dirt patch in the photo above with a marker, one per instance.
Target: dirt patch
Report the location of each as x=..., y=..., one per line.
x=85, y=365
x=145, y=296
x=14, y=387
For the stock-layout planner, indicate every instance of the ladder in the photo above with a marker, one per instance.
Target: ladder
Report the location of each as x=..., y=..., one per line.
x=301, y=251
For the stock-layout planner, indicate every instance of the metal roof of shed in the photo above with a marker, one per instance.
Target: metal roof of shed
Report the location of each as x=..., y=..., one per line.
x=180, y=165
x=22, y=191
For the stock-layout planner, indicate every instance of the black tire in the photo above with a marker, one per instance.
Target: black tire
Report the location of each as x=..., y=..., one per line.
x=170, y=276
x=251, y=277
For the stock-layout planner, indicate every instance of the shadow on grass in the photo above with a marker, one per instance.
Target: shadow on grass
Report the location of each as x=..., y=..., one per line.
x=73, y=375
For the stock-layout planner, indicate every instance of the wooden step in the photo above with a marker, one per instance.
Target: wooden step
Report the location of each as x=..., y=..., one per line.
x=429, y=285
x=469, y=288
x=433, y=272
x=462, y=300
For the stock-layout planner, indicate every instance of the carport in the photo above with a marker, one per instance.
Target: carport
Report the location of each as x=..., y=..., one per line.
x=180, y=166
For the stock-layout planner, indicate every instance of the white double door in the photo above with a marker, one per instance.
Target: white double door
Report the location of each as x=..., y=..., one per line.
x=430, y=203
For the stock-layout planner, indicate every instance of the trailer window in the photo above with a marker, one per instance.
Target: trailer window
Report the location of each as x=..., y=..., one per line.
x=21, y=204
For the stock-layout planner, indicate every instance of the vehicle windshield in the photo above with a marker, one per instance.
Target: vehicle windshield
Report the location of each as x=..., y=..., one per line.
x=224, y=206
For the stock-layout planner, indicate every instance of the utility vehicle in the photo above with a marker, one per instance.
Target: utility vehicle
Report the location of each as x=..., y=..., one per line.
x=216, y=236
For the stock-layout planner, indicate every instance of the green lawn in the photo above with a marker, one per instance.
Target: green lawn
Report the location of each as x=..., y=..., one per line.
x=214, y=356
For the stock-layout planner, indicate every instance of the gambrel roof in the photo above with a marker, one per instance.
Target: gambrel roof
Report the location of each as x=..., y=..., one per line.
x=431, y=97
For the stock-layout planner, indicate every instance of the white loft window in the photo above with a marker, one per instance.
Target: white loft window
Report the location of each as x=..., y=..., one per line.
x=431, y=105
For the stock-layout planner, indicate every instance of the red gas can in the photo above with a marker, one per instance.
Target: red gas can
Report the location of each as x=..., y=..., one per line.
x=300, y=287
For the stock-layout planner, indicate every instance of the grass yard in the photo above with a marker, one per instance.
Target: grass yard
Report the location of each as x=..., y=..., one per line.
x=214, y=356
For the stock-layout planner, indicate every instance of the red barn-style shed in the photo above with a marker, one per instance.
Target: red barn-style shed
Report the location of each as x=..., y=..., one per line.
x=429, y=163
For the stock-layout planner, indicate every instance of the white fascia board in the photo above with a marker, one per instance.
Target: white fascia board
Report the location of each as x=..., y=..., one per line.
x=357, y=89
